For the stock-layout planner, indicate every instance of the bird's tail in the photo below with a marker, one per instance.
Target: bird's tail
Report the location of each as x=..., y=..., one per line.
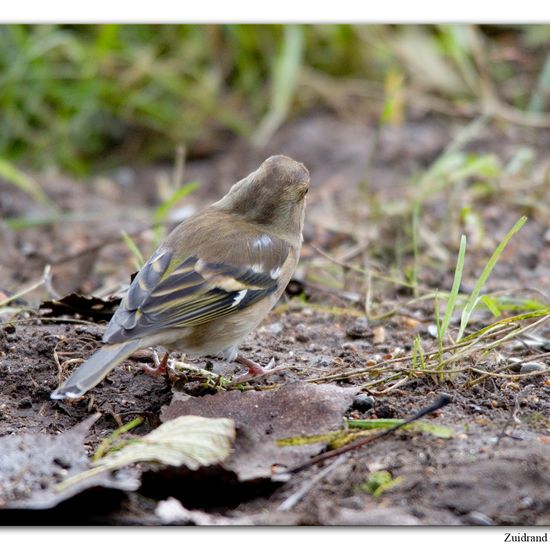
x=95, y=369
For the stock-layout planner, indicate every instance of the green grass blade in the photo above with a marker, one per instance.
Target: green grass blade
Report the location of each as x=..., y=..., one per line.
x=161, y=213
x=438, y=326
x=451, y=302
x=285, y=75
x=23, y=182
x=492, y=305
x=379, y=482
x=416, y=252
x=437, y=430
x=418, y=354
x=107, y=443
x=475, y=295
x=539, y=96
x=133, y=248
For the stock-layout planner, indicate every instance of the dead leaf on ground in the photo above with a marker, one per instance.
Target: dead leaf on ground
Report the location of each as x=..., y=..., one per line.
x=190, y=441
x=32, y=464
x=263, y=417
x=87, y=307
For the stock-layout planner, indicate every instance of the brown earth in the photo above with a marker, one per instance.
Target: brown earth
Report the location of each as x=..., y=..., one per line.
x=494, y=470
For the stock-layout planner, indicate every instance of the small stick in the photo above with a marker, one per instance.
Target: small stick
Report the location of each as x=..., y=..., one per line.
x=442, y=401
x=512, y=418
x=30, y=288
x=294, y=498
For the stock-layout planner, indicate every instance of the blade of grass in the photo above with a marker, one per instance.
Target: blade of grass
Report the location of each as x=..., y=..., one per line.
x=160, y=215
x=133, y=248
x=107, y=443
x=416, y=254
x=475, y=295
x=541, y=91
x=451, y=302
x=418, y=354
x=438, y=326
x=23, y=182
x=379, y=482
x=162, y=211
x=492, y=305
x=436, y=430
x=285, y=73
x=34, y=286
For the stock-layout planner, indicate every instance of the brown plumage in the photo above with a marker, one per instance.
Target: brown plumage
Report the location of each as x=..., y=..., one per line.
x=215, y=277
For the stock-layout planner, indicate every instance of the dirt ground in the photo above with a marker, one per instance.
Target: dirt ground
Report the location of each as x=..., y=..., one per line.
x=494, y=470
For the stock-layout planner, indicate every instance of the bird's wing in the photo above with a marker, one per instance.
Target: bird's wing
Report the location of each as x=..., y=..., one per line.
x=170, y=294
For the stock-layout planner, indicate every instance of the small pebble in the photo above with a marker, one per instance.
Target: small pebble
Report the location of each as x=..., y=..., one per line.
x=324, y=361
x=348, y=346
x=25, y=403
x=478, y=518
x=125, y=176
x=379, y=335
x=363, y=402
x=432, y=331
x=275, y=328
x=529, y=367
x=359, y=329
x=526, y=502
x=515, y=364
x=410, y=322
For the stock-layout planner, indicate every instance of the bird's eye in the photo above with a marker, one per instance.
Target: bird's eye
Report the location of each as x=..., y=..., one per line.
x=302, y=190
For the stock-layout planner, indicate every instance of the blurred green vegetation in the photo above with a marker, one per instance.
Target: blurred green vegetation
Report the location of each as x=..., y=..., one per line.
x=83, y=96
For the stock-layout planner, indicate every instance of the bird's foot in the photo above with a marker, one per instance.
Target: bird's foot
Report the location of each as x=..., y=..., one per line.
x=254, y=369
x=160, y=367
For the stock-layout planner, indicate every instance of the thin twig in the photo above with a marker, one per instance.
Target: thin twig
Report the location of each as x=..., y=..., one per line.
x=30, y=288
x=442, y=401
x=512, y=418
x=306, y=487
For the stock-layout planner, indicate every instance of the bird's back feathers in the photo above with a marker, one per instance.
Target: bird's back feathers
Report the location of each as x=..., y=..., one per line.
x=172, y=293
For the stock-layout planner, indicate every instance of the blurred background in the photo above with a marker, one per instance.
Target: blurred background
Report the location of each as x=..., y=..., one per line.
x=85, y=97
x=413, y=135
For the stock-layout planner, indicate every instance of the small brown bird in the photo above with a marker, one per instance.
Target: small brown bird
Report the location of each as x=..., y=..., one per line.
x=214, y=279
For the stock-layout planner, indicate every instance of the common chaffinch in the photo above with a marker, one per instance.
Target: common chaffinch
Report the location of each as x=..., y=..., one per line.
x=213, y=279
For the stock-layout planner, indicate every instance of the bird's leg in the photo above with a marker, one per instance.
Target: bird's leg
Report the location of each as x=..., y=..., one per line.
x=160, y=365
x=254, y=369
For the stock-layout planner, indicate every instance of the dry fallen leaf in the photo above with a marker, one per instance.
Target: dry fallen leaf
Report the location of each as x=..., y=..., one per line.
x=263, y=417
x=32, y=464
x=88, y=307
x=190, y=441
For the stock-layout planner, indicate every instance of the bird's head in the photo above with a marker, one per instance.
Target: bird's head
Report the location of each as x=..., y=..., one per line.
x=273, y=196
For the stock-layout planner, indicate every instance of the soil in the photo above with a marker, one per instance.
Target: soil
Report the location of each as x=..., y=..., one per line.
x=493, y=471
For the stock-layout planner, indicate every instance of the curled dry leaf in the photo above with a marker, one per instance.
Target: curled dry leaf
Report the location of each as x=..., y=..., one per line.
x=190, y=441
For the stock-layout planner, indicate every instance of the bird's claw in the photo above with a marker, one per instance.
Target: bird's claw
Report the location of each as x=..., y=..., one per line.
x=254, y=369
x=160, y=367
